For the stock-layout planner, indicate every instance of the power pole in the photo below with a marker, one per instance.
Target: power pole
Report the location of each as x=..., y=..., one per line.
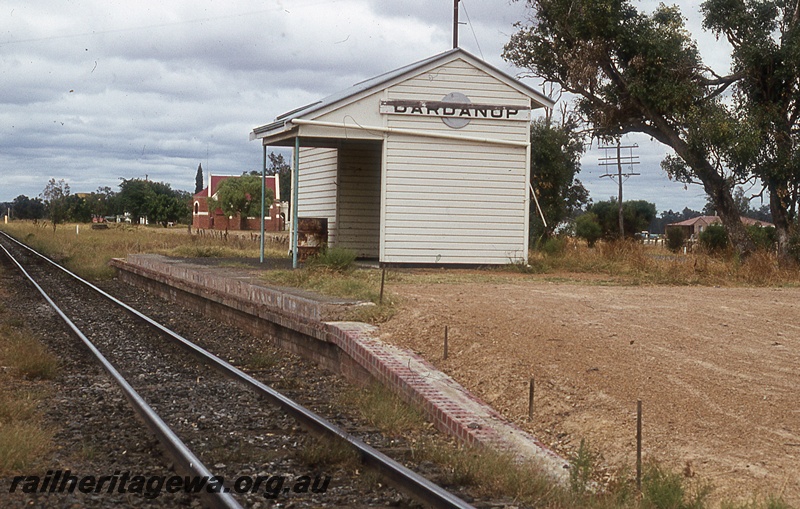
x=455, y=24
x=618, y=161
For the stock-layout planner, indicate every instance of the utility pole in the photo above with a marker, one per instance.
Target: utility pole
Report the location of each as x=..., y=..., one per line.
x=455, y=24
x=618, y=161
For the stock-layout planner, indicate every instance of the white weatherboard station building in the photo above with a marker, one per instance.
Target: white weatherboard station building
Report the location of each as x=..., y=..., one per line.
x=427, y=164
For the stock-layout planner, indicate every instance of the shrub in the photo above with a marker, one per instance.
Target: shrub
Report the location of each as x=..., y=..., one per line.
x=763, y=237
x=793, y=245
x=675, y=238
x=714, y=238
x=553, y=246
x=588, y=228
x=662, y=489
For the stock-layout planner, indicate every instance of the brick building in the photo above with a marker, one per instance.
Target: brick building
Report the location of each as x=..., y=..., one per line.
x=274, y=221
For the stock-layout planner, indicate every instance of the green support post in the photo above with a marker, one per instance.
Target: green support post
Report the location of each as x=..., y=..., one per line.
x=295, y=194
x=263, y=199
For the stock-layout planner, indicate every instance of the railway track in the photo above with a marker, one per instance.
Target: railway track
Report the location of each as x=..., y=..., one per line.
x=200, y=415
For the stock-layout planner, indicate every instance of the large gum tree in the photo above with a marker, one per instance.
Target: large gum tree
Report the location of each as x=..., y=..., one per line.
x=765, y=37
x=636, y=72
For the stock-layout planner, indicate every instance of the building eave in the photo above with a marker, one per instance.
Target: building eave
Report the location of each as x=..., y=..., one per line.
x=280, y=129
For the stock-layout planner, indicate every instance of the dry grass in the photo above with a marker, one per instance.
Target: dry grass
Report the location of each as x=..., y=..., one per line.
x=26, y=356
x=358, y=284
x=24, y=439
x=635, y=263
x=499, y=475
x=19, y=406
x=22, y=444
x=382, y=409
x=87, y=253
x=325, y=452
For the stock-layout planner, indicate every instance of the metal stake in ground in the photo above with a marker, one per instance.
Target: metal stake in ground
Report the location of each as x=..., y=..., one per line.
x=383, y=279
x=639, y=444
x=445, y=342
x=530, y=400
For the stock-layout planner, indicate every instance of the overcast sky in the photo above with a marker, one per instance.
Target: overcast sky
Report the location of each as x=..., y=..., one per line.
x=94, y=91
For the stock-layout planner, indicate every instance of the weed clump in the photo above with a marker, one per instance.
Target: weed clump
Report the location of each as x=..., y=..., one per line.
x=337, y=259
x=29, y=357
x=662, y=489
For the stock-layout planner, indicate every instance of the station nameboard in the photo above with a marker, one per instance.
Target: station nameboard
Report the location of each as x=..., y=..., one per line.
x=455, y=110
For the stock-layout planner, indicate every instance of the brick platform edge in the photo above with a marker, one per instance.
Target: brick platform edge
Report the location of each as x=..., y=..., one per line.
x=449, y=406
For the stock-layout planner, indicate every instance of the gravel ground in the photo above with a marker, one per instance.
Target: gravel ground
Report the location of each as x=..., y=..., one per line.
x=716, y=370
x=232, y=433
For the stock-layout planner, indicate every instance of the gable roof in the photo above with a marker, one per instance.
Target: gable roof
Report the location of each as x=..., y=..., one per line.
x=704, y=220
x=385, y=80
x=216, y=180
x=709, y=220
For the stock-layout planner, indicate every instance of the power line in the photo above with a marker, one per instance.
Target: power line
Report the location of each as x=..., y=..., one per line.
x=472, y=27
x=618, y=161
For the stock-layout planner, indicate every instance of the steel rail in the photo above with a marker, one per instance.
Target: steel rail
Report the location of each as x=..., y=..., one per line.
x=180, y=453
x=401, y=477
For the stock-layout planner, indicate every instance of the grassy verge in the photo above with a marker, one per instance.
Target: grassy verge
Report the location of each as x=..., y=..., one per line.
x=498, y=475
x=87, y=251
x=635, y=263
x=26, y=367
x=334, y=273
x=621, y=263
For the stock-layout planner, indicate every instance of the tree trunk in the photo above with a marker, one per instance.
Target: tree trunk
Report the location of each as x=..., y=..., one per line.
x=728, y=212
x=778, y=192
x=715, y=185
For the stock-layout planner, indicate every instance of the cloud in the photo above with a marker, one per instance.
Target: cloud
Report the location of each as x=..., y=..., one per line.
x=93, y=91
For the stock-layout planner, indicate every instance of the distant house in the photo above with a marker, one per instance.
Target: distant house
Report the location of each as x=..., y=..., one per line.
x=426, y=164
x=693, y=227
x=202, y=218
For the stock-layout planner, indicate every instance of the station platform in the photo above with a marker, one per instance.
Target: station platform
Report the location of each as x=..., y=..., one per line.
x=313, y=326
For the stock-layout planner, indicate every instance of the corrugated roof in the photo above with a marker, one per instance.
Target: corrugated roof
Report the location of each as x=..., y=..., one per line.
x=382, y=79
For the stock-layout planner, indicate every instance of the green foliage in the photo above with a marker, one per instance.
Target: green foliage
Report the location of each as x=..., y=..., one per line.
x=555, y=161
x=662, y=489
x=241, y=196
x=277, y=165
x=78, y=209
x=338, y=259
x=793, y=245
x=714, y=238
x=103, y=202
x=635, y=72
x=580, y=472
x=553, y=246
x=588, y=227
x=636, y=216
x=198, y=179
x=156, y=201
x=56, y=201
x=765, y=37
x=764, y=237
x=27, y=208
x=675, y=238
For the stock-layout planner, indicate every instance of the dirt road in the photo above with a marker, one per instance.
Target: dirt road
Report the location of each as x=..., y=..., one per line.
x=717, y=369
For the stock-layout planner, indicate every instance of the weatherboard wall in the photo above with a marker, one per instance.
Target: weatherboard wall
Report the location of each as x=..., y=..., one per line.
x=317, y=186
x=359, y=199
x=410, y=194
x=449, y=201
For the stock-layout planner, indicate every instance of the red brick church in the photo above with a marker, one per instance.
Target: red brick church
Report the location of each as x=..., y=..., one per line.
x=202, y=219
